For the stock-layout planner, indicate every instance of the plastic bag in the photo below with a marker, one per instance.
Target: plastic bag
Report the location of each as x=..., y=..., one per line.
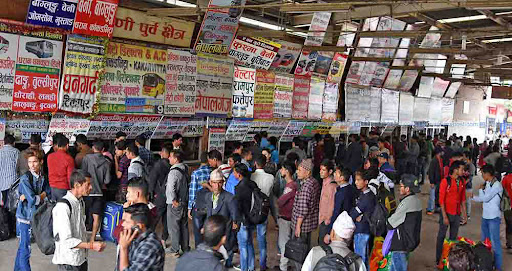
x=376, y=255
x=385, y=263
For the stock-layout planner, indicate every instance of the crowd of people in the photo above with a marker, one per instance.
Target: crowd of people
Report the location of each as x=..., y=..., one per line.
x=334, y=188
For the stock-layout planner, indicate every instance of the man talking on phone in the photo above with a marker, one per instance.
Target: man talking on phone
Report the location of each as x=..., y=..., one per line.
x=140, y=248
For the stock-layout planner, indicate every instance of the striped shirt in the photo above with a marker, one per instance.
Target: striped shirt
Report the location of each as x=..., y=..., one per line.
x=9, y=157
x=199, y=176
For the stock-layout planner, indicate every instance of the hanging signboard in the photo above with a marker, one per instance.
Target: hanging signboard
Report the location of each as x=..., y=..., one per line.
x=244, y=82
x=293, y=129
x=189, y=127
x=435, y=113
x=283, y=96
x=237, y=130
x=180, y=83
x=136, y=25
x=375, y=107
x=337, y=68
x=393, y=79
x=134, y=79
x=107, y=125
x=407, y=80
x=52, y=13
x=439, y=87
x=357, y=103
x=38, y=65
x=68, y=126
x=7, y=69
x=421, y=108
x=95, y=17
x=318, y=26
x=300, y=97
x=214, y=85
x=381, y=70
x=256, y=53
x=277, y=128
x=316, y=96
x=391, y=100
x=452, y=90
x=307, y=62
x=368, y=73
x=264, y=94
x=217, y=139
x=24, y=127
x=447, y=110
x=425, y=88
x=323, y=62
x=286, y=56
x=405, y=115
x=83, y=63
x=330, y=102
x=355, y=72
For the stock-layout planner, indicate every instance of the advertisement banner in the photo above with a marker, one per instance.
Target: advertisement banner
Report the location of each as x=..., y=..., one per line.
x=244, y=83
x=337, y=68
x=8, y=53
x=107, y=125
x=300, y=97
x=136, y=25
x=283, y=96
x=286, y=56
x=406, y=112
x=323, y=62
x=393, y=79
x=307, y=62
x=264, y=94
x=95, y=17
x=330, y=102
x=214, y=85
x=408, y=79
x=316, y=96
x=357, y=103
x=36, y=84
x=83, y=63
x=217, y=139
x=375, y=106
x=277, y=128
x=391, y=99
x=447, y=110
x=134, y=79
x=354, y=72
x=69, y=126
x=319, y=24
x=190, y=127
x=368, y=73
x=256, y=53
x=180, y=83
x=293, y=129
x=421, y=109
x=23, y=127
x=52, y=13
x=237, y=130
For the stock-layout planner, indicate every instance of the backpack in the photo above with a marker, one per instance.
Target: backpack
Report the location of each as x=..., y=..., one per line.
x=334, y=261
x=260, y=207
x=484, y=260
x=13, y=197
x=182, y=189
x=503, y=164
x=505, y=201
x=378, y=219
x=42, y=226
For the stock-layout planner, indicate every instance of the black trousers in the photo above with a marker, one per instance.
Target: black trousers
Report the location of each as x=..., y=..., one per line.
x=454, y=224
x=11, y=218
x=323, y=230
x=508, y=226
x=65, y=267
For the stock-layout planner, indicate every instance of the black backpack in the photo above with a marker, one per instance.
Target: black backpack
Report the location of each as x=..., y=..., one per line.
x=484, y=260
x=335, y=262
x=260, y=207
x=13, y=197
x=378, y=219
x=42, y=226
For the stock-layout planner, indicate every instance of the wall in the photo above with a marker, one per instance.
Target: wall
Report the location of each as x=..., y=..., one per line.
x=477, y=112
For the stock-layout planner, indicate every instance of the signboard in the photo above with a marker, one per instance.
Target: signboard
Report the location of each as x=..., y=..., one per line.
x=293, y=129
x=134, y=79
x=447, y=110
x=264, y=94
x=95, y=17
x=435, y=110
x=277, y=128
x=337, y=68
x=7, y=69
x=69, y=126
x=217, y=139
x=405, y=115
x=393, y=79
x=318, y=26
x=407, y=80
x=136, y=25
x=52, y=13
x=355, y=72
x=243, y=92
x=180, y=83
x=84, y=61
x=381, y=70
x=283, y=96
x=214, y=85
x=107, y=125
x=286, y=56
x=330, y=101
x=357, y=103
x=391, y=100
x=421, y=108
x=256, y=53
x=300, y=97
x=189, y=127
x=375, y=106
x=23, y=127
x=316, y=96
x=237, y=130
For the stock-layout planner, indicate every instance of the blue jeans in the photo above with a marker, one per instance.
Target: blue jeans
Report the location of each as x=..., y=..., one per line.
x=491, y=229
x=432, y=200
x=261, y=236
x=361, y=247
x=246, y=247
x=398, y=261
x=23, y=255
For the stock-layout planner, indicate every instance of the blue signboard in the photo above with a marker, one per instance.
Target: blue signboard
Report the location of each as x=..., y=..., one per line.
x=52, y=13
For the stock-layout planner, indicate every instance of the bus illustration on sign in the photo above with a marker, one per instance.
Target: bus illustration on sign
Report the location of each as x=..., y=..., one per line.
x=40, y=48
x=4, y=45
x=153, y=85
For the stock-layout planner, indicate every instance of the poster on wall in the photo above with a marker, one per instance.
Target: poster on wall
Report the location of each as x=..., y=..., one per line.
x=69, y=126
x=286, y=56
x=134, y=79
x=180, y=83
x=52, y=13
x=393, y=79
x=83, y=63
x=23, y=127
x=405, y=115
x=355, y=72
x=283, y=96
x=244, y=82
x=107, y=125
x=214, y=85
x=7, y=69
x=330, y=102
x=237, y=130
x=38, y=65
x=256, y=53
x=337, y=68
x=95, y=17
x=391, y=100
x=293, y=129
x=316, y=96
x=264, y=94
x=301, y=86
x=217, y=139
x=137, y=25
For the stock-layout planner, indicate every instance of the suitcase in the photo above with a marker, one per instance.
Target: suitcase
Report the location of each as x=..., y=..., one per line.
x=111, y=218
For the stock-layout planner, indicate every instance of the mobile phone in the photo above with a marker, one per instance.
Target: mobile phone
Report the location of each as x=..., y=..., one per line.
x=136, y=228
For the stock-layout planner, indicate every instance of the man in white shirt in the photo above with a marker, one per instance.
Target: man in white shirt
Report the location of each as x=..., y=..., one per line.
x=69, y=226
x=265, y=182
x=136, y=168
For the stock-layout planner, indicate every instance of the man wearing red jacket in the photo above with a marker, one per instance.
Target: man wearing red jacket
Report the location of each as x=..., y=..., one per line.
x=452, y=198
x=507, y=188
x=60, y=167
x=456, y=156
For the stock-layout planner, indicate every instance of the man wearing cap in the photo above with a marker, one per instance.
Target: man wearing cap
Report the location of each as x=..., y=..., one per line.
x=406, y=223
x=305, y=211
x=435, y=175
x=373, y=152
x=384, y=165
x=341, y=235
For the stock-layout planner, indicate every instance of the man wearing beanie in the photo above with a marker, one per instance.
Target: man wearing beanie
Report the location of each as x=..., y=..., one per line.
x=306, y=206
x=341, y=235
x=406, y=223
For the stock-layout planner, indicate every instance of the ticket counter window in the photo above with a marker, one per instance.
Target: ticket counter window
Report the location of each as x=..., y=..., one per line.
x=190, y=147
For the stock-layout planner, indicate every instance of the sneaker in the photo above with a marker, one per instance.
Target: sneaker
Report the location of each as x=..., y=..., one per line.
x=237, y=267
x=430, y=213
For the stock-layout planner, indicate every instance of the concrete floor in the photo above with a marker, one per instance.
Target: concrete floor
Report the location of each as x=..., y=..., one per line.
x=421, y=259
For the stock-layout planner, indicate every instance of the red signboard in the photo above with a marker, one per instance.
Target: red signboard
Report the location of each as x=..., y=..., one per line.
x=95, y=17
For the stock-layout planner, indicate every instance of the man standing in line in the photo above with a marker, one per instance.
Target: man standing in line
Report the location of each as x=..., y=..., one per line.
x=35, y=144
x=82, y=148
x=435, y=175
x=297, y=148
x=156, y=187
x=60, y=167
x=354, y=154
x=177, y=141
x=177, y=199
x=9, y=158
x=326, y=199
x=122, y=163
x=145, y=154
x=196, y=204
x=137, y=165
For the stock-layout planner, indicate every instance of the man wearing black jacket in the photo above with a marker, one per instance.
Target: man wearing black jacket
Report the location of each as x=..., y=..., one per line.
x=406, y=223
x=354, y=154
x=156, y=187
x=435, y=175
